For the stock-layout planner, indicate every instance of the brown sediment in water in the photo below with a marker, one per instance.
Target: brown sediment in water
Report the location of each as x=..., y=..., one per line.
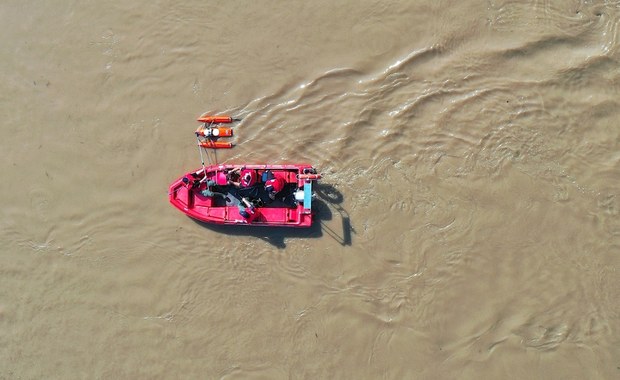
x=468, y=219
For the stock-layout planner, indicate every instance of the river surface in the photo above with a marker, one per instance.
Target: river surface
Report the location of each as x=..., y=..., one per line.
x=468, y=219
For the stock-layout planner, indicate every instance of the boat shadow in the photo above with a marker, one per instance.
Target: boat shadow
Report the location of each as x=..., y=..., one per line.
x=275, y=236
x=327, y=199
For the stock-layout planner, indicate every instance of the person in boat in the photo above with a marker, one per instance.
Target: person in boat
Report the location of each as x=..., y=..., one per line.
x=194, y=181
x=209, y=191
x=247, y=210
x=242, y=178
x=273, y=186
x=191, y=181
x=231, y=177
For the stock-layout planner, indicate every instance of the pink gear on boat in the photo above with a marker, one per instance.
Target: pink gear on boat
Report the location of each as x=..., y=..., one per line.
x=221, y=179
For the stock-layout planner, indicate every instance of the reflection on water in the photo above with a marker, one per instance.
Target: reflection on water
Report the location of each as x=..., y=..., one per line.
x=273, y=235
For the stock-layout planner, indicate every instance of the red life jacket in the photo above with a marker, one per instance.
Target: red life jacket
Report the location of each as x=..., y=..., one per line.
x=274, y=185
x=248, y=177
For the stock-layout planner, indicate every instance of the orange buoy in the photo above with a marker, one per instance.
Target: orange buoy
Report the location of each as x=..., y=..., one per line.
x=216, y=144
x=216, y=119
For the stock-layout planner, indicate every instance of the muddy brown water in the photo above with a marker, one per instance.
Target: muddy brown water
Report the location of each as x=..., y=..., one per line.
x=468, y=217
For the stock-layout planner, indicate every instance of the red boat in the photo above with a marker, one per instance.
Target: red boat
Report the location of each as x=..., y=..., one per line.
x=255, y=195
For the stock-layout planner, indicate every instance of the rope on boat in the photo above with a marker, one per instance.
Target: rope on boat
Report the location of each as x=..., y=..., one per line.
x=202, y=160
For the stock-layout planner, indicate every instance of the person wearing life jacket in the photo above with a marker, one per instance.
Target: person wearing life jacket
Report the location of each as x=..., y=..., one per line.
x=246, y=177
x=273, y=186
